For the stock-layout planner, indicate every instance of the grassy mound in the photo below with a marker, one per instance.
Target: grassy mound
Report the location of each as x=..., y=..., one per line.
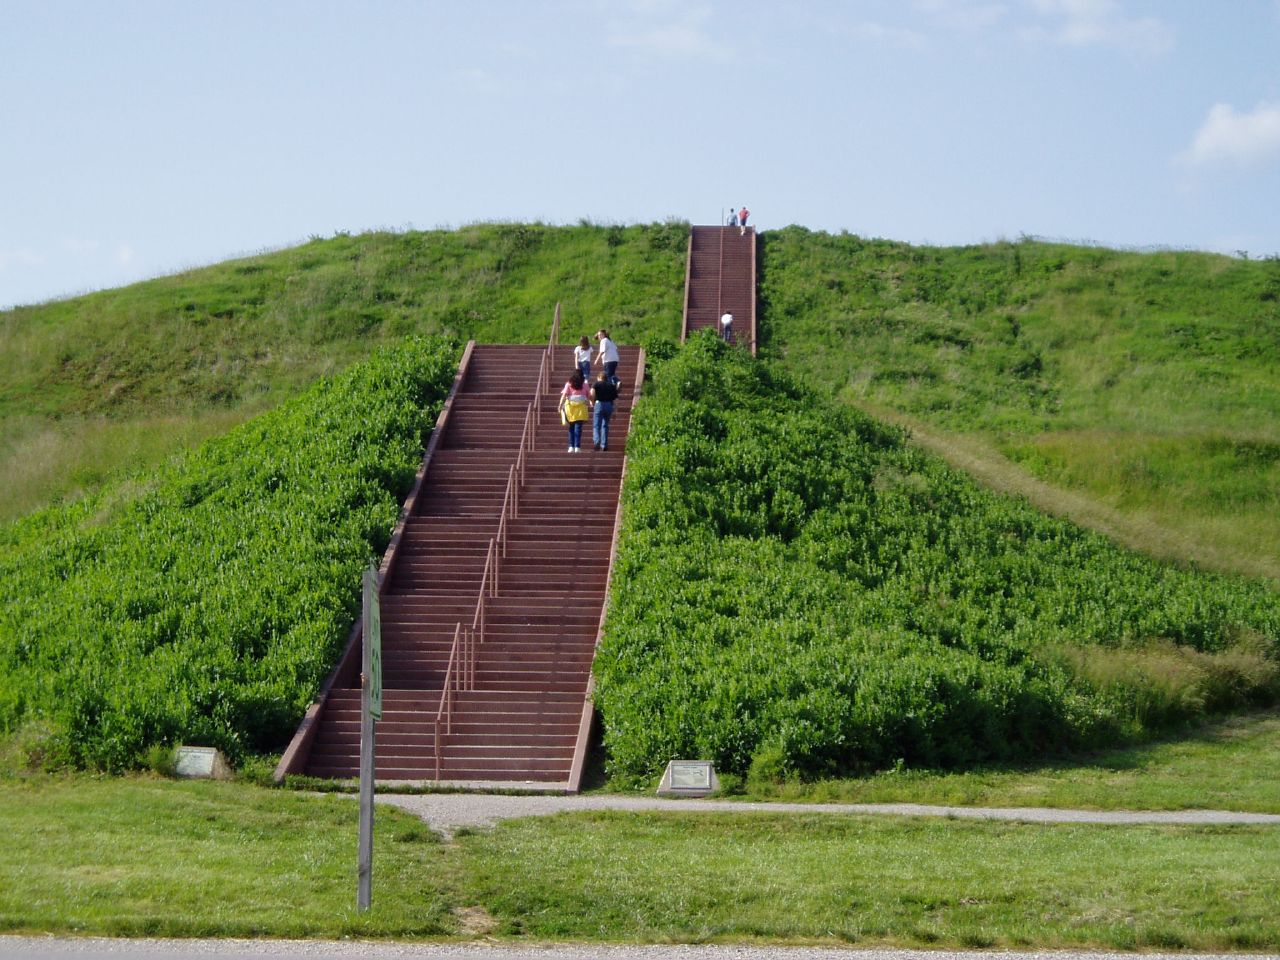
x=206, y=602
x=1143, y=381
x=800, y=589
x=122, y=378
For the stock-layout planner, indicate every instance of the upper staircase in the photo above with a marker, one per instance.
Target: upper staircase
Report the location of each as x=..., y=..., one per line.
x=492, y=590
x=721, y=278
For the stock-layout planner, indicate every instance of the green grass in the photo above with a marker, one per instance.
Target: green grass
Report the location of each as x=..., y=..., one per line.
x=138, y=857
x=1145, y=382
x=799, y=589
x=206, y=602
x=204, y=348
x=875, y=881
x=1230, y=765
x=120, y=857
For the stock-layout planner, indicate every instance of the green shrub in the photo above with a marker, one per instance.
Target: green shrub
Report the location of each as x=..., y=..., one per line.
x=206, y=603
x=796, y=584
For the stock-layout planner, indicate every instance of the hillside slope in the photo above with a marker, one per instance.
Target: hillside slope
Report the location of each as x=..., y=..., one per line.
x=204, y=602
x=801, y=590
x=1146, y=382
x=124, y=377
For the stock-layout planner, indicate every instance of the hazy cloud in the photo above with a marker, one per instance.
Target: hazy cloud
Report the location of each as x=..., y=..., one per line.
x=891, y=36
x=964, y=14
x=668, y=30
x=1237, y=139
x=10, y=259
x=1084, y=23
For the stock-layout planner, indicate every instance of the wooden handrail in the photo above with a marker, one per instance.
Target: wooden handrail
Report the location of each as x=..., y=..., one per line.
x=444, y=715
x=555, y=330
x=510, y=508
x=464, y=653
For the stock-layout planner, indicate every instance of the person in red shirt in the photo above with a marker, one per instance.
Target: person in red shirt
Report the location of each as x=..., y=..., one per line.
x=742, y=219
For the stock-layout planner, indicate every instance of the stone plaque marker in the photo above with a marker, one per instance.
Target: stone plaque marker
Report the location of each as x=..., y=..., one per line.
x=689, y=778
x=200, y=763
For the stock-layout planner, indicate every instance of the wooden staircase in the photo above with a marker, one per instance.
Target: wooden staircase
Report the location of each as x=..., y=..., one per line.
x=720, y=278
x=506, y=704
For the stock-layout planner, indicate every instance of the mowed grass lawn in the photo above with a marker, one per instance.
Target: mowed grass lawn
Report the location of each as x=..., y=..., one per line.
x=1233, y=764
x=138, y=856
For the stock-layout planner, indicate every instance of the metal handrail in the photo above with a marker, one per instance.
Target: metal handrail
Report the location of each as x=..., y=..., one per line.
x=463, y=654
x=510, y=508
x=555, y=330
x=444, y=715
x=526, y=440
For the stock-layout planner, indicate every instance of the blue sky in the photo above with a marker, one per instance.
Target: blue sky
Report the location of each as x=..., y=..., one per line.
x=140, y=138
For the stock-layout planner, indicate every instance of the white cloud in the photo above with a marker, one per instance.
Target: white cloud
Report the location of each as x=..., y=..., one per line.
x=670, y=31
x=10, y=259
x=964, y=14
x=1087, y=23
x=891, y=36
x=1238, y=139
x=125, y=255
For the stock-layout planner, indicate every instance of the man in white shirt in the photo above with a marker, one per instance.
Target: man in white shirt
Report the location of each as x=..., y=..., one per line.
x=726, y=327
x=608, y=355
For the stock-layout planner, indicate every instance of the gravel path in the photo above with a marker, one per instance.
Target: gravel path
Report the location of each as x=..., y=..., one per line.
x=446, y=812
x=58, y=948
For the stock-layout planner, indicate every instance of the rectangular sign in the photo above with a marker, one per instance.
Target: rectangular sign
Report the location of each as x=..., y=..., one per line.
x=373, y=638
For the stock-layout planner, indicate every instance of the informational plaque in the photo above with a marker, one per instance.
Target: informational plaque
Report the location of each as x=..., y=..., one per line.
x=689, y=778
x=199, y=763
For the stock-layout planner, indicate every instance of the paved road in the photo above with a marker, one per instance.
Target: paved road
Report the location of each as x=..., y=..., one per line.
x=446, y=812
x=50, y=948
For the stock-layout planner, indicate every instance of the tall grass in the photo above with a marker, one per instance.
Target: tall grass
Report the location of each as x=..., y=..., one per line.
x=1145, y=382
x=210, y=346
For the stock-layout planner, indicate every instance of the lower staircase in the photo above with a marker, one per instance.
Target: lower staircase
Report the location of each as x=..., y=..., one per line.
x=492, y=592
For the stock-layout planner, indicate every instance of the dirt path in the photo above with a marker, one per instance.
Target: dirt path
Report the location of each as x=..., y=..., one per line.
x=447, y=812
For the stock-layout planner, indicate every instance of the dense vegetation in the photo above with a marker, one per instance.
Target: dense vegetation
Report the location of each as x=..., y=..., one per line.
x=205, y=602
x=122, y=378
x=1144, y=381
x=1147, y=382
x=800, y=589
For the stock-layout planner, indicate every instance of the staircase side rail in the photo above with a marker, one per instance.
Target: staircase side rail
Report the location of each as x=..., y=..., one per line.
x=510, y=508
x=488, y=588
x=526, y=441
x=574, y=783
x=444, y=715
x=753, y=290
x=555, y=330
x=347, y=671
x=688, y=273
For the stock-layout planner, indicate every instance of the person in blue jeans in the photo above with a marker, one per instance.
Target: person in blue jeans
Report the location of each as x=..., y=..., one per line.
x=608, y=355
x=603, y=392
x=575, y=401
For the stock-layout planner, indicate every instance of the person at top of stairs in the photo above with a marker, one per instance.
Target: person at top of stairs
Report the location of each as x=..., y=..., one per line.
x=608, y=357
x=575, y=408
